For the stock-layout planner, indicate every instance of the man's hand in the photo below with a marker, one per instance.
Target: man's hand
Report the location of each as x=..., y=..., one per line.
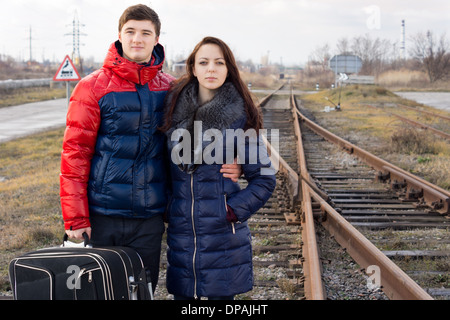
x=78, y=234
x=232, y=171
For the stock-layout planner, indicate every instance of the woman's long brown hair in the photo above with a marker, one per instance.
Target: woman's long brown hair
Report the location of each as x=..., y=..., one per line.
x=254, y=118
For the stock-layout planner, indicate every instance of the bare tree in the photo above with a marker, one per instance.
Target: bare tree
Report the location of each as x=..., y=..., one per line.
x=433, y=54
x=373, y=52
x=320, y=56
x=343, y=46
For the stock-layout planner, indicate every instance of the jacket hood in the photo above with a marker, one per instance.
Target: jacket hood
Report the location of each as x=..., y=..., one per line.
x=132, y=71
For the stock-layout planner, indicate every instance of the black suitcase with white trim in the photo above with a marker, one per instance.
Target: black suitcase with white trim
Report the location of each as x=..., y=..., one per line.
x=80, y=273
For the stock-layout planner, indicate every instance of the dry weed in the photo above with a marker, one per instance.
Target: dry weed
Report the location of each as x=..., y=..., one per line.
x=412, y=141
x=30, y=214
x=403, y=79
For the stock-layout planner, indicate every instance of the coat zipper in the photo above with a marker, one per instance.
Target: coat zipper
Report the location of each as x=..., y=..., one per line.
x=136, y=208
x=195, y=237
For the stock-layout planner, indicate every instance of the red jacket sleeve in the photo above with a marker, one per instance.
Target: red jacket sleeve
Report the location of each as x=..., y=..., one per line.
x=82, y=123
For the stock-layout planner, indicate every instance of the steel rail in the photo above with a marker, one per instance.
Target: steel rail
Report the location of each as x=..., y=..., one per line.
x=281, y=165
x=263, y=102
x=436, y=197
x=277, y=161
x=425, y=112
x=422, y=126
x=417, y=123
x=394, y=282
x=314, y=288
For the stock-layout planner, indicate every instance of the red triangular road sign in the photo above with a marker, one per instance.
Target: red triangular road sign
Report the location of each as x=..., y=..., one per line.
x=67, y=71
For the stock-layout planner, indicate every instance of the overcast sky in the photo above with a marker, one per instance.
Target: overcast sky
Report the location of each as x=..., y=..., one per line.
x=287, y=30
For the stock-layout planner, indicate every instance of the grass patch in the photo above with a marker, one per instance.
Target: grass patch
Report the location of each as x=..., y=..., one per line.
x=30, y=212
x=13, y=97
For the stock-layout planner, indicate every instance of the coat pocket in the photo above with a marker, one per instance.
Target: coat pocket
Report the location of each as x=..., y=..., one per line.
x=226, y=213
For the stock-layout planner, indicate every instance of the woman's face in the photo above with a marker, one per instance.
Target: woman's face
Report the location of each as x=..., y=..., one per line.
x=210, y=68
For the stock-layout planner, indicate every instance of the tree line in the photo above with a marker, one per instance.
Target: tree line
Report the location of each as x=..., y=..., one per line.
x=427, y=52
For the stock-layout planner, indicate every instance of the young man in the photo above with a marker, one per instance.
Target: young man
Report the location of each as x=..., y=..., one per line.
x=113, y=182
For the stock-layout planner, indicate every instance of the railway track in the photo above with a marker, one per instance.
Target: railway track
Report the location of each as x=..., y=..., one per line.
x=334, y=226
x=276, y=244
x=405, y=217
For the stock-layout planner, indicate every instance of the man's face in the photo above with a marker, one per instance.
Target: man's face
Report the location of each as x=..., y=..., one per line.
x=138, y=39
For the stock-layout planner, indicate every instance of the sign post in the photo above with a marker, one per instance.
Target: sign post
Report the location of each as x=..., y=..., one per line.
x=67, y=72
x=345, y=64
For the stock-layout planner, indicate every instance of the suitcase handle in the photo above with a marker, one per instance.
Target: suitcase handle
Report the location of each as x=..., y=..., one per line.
x=87, y=242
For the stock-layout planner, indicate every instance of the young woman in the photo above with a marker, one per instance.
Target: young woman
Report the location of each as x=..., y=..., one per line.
x=209, y=242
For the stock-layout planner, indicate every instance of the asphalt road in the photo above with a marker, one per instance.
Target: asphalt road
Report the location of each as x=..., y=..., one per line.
x=22, y=120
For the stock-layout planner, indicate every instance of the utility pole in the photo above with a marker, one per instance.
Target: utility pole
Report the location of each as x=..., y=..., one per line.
x=403, y=40
x=76, y=34
x=31, y=48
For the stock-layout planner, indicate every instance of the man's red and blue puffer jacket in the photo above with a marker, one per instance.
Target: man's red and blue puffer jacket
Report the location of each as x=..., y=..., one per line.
x=113, y=161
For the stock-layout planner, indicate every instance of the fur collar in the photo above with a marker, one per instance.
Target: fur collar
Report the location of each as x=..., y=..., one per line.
x=226, y=107
x=219, y=113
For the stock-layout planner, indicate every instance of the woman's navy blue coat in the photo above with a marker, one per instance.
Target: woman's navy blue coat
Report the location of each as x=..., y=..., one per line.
x=207, y=255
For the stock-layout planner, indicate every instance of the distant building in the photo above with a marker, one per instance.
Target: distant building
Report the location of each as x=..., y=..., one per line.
x=179, y=68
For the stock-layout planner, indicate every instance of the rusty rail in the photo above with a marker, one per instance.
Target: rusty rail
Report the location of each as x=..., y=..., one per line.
x=314, y=288
x=425, y=112
x=419, y=124
x=267, y=98
x=423, y=126
x=394, y=282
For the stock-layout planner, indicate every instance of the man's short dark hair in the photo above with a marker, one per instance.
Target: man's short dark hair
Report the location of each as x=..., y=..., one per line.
x=140, y=12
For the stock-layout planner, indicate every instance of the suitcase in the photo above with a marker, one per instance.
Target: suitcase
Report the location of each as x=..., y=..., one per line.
x=80, y=272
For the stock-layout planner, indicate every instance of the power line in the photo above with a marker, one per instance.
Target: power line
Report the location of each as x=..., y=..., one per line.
x=76, y=34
